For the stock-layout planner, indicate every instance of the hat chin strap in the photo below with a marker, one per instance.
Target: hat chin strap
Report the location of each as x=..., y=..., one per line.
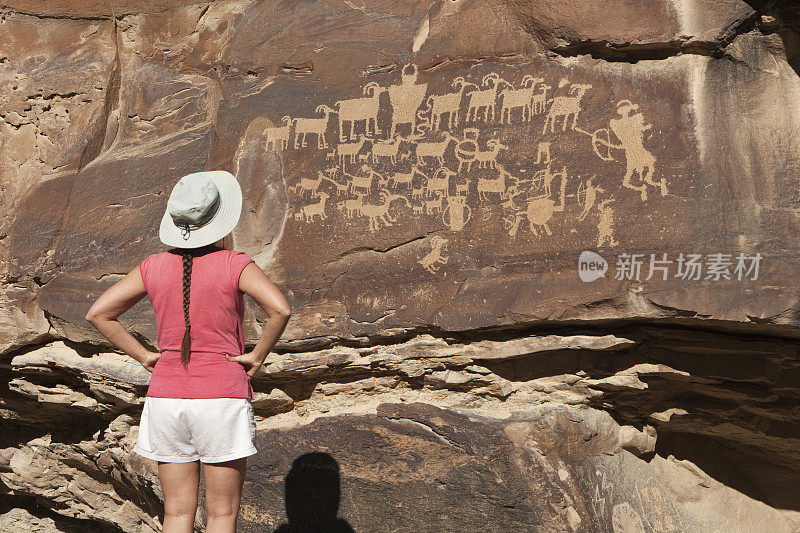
x=186, y=227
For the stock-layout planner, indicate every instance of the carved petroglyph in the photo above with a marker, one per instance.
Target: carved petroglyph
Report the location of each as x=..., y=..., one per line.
x=564, y=107
x=522, y=99
x=443, y=104
x=587, y=195
x=434, y=258
x=485, y=99
x=661, y=513
x=434, y=149
x=317, y=126
x=625, y=519
x=486, y=140
x=279, y=134
x=406, y=99
x=387, y=149
x=360, y=109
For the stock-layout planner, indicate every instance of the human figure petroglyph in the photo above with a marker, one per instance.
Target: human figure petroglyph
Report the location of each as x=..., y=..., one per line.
x=629, y=129
x=512, y=192
x=349, y=150
x=605, y=224
x=566, y=106
x=521, y=98
x=440, y=104
x=543, y=178
x=406, y=99
x=543, y=153
x=317, y=126
x=662, y=515
x=279, y=134
x=440, y=181
x=587, y=195
x=313, y=210
x=434, y=257
x=387, y=149
x=434, y=149
x=485, y=99
x=360, y=109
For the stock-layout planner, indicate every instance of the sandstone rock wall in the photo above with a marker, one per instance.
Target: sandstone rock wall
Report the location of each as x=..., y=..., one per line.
x=420, y=179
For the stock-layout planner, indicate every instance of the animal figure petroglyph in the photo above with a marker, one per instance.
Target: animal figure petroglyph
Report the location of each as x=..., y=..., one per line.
x=434, y=258
x=518, y=99
x=360, y=109
x=279, y=134
x=486, y=98
x=349, y=150
x=566, y=106
x=406, y=99
x=404, y=178
x=372, y=173
x=363, y=183
x=493, y=185
x=539, y=100
x=463, y=189
x=387, y=149
x=317, y=126
x=379, y=213
x=434, y=149
x=309, y=185
x=489, y=157
x=440, y=181
x=351, y=206
x=313, y=210
x=440, y=104
x=432, y=206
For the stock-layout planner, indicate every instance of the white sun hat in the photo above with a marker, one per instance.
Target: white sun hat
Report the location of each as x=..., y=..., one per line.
x=203, y=207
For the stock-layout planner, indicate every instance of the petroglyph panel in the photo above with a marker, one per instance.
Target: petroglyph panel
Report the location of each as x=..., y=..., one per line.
x=480, y=167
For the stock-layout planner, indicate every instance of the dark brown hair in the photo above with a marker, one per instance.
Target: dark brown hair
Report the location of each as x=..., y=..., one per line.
x=187, y=279
x=188, y=257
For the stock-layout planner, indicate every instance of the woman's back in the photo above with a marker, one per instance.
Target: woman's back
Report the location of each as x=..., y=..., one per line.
x=216, y=311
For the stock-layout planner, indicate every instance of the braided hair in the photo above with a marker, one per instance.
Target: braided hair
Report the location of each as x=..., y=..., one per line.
x=187, y=278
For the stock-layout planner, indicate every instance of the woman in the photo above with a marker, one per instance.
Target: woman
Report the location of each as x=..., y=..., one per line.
x=197, y=409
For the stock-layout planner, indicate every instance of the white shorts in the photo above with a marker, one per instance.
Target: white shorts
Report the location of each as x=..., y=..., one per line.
x=181, y=430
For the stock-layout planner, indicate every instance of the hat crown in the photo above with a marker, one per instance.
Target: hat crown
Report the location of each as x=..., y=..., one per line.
x=192, y=198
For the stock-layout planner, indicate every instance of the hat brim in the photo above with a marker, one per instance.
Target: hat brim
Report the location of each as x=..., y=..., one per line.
x=221, y=223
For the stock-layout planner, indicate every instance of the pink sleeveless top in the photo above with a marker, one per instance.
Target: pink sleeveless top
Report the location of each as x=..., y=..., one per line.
x=216, y=312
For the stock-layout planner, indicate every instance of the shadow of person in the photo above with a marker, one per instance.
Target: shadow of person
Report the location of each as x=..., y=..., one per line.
x=312, y=496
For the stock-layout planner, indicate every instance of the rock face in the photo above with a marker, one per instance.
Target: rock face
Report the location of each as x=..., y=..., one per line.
x=541, y=257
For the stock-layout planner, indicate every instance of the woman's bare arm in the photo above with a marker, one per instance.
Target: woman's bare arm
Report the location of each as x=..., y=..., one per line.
x=256, y=284
x=117, y=299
